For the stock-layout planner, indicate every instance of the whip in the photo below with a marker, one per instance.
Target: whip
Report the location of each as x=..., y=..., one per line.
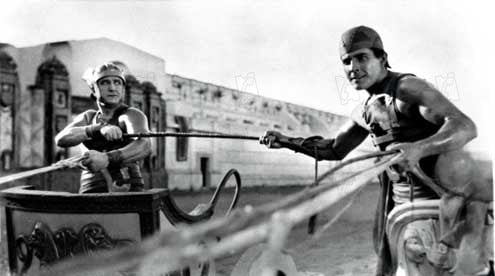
x=191, y=134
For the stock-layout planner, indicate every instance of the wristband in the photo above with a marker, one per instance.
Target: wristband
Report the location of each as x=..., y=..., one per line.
x=114, y=156
x=93, y=131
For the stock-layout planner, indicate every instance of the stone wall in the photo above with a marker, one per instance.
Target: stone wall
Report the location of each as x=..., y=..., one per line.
x=211, y=108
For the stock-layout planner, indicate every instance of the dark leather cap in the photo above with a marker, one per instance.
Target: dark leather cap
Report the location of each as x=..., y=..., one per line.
x=358, y=38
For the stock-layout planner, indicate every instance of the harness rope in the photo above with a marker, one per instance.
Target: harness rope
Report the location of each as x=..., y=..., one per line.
x=243, y=220
x=313, y=219
x=71, y=162
x=179, y=245
x=243, y=228
x=313, y=240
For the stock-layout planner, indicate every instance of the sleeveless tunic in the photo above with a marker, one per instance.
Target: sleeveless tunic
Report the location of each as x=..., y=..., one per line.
x=128, y=173
x=387, y=125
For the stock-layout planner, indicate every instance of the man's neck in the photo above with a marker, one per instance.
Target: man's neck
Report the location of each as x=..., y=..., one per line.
x=107, y=109
x=380, y=84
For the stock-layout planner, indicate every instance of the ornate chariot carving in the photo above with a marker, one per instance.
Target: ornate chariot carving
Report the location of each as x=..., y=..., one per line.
x=50, y=247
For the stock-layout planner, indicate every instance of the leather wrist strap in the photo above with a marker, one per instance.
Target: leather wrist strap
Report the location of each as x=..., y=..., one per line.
x=93, y=131
x=114, y=156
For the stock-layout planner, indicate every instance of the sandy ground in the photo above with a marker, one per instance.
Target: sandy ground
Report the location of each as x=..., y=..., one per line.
x=344, y=249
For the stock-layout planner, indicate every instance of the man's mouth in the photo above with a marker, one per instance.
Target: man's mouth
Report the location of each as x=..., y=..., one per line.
x=356, y=78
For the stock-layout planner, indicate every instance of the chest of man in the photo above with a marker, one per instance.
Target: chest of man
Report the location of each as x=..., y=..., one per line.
x=385, y=111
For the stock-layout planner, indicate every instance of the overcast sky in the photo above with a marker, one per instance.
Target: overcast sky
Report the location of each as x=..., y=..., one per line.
x=286, y=50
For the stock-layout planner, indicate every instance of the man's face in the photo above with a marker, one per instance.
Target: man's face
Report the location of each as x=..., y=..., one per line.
x=109, y=90
x=363, y=68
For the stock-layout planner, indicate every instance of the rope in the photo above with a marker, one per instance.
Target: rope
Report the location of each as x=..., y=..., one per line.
x=314, y=239
x=62, y=164
x=243, y=228
x=312, y=219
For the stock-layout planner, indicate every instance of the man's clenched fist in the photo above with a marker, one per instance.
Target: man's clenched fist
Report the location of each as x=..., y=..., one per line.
x=271, y=139
x=95, y=161
x=111, y=133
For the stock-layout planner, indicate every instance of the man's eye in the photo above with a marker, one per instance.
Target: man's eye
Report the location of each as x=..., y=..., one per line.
x=362, y=58
x=346, y=61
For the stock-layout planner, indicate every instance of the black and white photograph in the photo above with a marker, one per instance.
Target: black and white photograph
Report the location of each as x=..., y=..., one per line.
x=246, y=138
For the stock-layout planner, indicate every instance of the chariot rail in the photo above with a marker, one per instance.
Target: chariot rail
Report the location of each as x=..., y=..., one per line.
x=243, y=228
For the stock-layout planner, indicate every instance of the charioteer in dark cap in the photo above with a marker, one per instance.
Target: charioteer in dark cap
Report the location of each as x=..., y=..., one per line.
x=101, y=133
x=406, y=113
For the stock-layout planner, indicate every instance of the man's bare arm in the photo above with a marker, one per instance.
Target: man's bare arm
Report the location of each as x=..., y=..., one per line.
x=74, y=133
x=456, y=129
x=135, y=122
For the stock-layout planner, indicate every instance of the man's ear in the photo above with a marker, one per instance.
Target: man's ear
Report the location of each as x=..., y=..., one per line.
x=92, y=96
x=93, y=92
x=384, y=58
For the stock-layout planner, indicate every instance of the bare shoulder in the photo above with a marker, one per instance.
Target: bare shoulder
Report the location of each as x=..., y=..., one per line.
x=415, y=90
x=135, y=120
x=83, y=118
x=431, y=103
x=134, y=112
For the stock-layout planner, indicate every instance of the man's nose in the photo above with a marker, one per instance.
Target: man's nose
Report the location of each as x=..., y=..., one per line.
x=355, y=66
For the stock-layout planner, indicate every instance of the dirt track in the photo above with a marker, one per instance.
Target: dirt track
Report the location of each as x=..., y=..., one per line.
x=344, y=249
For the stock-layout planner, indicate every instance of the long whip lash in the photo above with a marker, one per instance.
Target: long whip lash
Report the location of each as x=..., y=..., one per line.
x=191, y=134
x=72, y=161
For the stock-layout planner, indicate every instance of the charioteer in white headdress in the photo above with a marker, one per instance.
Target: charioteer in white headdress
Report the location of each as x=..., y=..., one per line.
x=101, y=132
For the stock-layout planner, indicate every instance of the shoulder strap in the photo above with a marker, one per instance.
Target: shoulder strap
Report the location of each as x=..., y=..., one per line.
x=120, y=110
x=364, y=107
x=394, y=84
x=392, y=90
x=89, y=116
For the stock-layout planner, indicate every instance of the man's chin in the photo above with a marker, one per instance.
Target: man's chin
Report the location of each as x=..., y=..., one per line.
x=109, y=104
x=357, y=86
